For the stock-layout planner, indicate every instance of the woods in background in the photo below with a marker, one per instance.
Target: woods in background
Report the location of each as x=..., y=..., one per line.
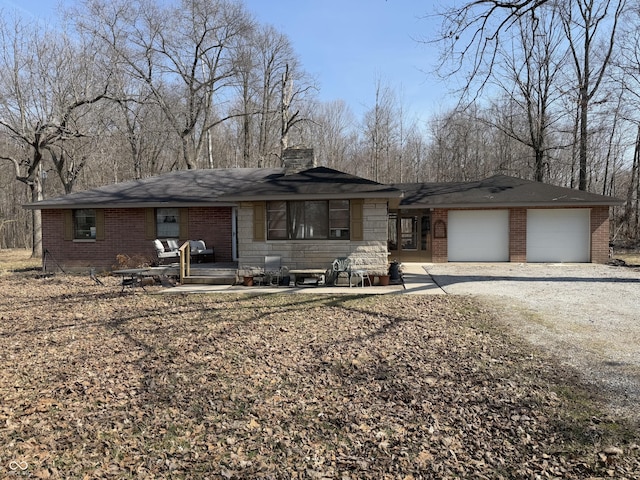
x=130, y=89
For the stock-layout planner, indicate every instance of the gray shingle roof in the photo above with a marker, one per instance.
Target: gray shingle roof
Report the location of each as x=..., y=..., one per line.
x=497, y=191
x=318, y=182
x=179, y=188
x=226, y=186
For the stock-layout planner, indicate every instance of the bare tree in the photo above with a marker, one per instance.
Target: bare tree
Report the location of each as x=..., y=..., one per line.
x=184, y=54
x=528, y=75
x=583, y=22
x=381, y=130
x=271, y=86
x=472, y=34
x=46, y=88
x=333, y=126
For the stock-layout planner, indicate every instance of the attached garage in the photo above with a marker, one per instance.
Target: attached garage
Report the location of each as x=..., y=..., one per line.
x=559, y=235
x=478, y=236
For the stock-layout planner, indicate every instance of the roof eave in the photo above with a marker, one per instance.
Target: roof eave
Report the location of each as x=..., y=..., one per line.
x=511, y=204
x=312, y=196
x=77, y=206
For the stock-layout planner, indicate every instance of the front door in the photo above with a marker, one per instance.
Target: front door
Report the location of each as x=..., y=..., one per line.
x=410, y=235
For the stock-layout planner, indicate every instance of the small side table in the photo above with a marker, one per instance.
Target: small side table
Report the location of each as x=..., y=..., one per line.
x=131, y=277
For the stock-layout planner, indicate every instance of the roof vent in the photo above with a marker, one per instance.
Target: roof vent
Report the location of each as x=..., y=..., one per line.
x=297, y=159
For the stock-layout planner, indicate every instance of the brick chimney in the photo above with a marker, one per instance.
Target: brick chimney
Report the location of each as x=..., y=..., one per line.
x=297, y=159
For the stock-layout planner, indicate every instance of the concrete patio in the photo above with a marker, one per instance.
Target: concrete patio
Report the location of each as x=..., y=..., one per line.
x=416, y=281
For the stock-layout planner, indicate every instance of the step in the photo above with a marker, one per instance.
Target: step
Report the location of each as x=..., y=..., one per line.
x=210, y=279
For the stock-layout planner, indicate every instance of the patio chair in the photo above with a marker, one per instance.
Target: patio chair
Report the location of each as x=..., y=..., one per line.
x=340, y=266
x=200, y=252
x=347, y=267
x=272, y=270
x=162, y=253
x=173, y=245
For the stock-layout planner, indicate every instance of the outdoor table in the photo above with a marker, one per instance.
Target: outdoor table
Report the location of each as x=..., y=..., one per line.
x=132, y=277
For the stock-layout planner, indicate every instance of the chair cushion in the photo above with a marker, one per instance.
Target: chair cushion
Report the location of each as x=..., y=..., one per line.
x=158, y=244
x=197, y=246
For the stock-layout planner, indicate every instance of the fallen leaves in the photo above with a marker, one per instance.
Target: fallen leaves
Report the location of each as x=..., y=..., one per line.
x=95, y=384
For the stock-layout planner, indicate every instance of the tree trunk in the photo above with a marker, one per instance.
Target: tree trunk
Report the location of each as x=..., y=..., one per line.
x=584, y=106
x=539, y=167
x=284, y=110
x=36, y=216
x=631, y=214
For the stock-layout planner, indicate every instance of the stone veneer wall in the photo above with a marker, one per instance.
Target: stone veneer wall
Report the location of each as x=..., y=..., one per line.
x=370, y=253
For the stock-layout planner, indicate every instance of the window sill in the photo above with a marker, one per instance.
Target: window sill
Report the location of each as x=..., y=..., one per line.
x=312, y=240
x=84, y=240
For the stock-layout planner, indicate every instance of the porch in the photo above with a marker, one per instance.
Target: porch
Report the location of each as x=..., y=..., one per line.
x=416, y=281
x=219, y=273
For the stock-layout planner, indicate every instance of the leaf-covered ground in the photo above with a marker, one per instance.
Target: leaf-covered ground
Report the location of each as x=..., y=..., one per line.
x=95, y=384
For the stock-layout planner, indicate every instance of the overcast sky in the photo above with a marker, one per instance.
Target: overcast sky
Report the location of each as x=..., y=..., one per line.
x=348, y=45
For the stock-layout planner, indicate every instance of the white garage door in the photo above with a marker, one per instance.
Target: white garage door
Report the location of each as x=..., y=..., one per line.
x=559, y=235
x=478, y=236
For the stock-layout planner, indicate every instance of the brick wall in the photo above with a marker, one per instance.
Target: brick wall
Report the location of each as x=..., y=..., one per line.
x=124, y=233
x=599, y=234
x=518, y=235
x=213, y=225
x=439, y=231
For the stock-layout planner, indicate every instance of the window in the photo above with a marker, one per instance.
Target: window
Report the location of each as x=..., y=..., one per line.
x=167, y=223
x=393, y=231
x=84, y=224
x=308, y=220
x=339, y=219
x=409, y=232
x=277, y=220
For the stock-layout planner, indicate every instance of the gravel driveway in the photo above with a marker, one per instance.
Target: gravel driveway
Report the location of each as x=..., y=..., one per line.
x=587, y=315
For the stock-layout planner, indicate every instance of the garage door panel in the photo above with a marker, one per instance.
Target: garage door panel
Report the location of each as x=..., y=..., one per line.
x=559, y=235
x=478, y=236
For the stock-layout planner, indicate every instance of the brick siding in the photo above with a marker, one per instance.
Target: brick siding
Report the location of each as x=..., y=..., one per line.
x=439, y=250
x=124, y=233
x=518, y=235
x=599, y=234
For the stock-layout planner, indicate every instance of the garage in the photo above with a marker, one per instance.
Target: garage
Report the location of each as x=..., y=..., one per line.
x=478, y=236
x=559, y=235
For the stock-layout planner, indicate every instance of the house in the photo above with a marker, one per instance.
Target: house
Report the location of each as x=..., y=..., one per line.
x=310, y=215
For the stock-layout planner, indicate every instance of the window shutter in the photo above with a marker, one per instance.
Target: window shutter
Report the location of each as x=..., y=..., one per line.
x=149, y=223
x=184, y=223
x=258, y=221
x=68, y=224
x=99, y=224
x=357, y=220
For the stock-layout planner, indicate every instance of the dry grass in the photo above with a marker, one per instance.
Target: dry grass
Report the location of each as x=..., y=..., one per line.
x=17, y=259
x=630, y=258
x=95, y=384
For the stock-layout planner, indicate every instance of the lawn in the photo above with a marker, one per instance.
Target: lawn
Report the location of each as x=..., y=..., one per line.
x=96, y=384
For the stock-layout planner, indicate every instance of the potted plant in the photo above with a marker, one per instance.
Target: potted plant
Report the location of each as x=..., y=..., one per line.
x=247, y=275
x=383, y=278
